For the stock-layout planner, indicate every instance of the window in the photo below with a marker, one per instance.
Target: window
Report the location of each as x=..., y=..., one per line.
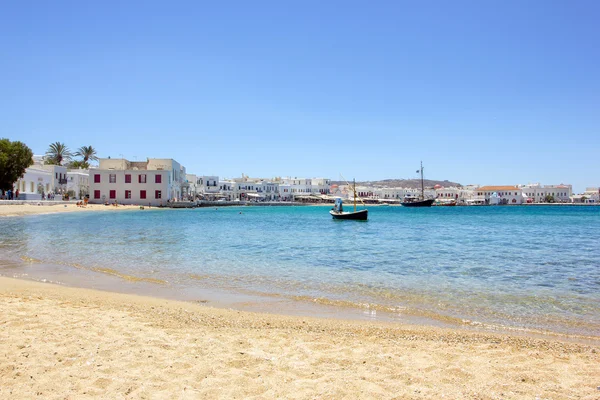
x=96, y=178
x=128, y=194
x=96, y=194
x=142, y=178
x=157, y=194
x=112, y=178
x=128, y=178
x=113, y=194
x=142, y=194
x=158, y=178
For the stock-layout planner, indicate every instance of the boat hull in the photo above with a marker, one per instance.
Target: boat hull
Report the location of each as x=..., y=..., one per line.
x=418, y=203
x=360, y=215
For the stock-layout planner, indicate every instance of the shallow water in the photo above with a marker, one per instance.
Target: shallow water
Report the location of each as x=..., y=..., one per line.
x=532, y=268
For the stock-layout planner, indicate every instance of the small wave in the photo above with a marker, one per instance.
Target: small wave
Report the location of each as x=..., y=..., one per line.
x=131, y=278
x=31, y=260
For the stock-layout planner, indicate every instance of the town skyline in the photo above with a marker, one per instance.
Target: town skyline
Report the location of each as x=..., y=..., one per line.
x=271, y=176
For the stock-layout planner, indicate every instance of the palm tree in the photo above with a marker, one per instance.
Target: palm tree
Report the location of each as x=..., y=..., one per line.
x=78, y=164
x=88, y=153
x=58, y=153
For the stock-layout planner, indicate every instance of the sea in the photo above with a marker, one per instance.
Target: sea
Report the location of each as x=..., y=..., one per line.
x=531, y=269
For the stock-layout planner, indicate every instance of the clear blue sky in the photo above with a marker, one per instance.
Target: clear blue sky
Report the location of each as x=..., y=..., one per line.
x=488, y=92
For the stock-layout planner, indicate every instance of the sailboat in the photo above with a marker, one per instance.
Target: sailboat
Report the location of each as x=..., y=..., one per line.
x=337, y=212
x=419, y=201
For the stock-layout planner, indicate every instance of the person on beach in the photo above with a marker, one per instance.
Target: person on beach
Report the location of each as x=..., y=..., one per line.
x=17, y=195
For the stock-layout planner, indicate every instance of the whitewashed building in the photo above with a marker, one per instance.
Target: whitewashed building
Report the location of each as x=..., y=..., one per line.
x=226, y=189
x=153, y=182
x=302, y=187
x=208, y=187
x=34, y=183
x=321, y=185
x=78, y=183
x=285, y=192
x=500, y=194
x=189, y=188
x=42, y=179
x=590, y=196
x=538, y=193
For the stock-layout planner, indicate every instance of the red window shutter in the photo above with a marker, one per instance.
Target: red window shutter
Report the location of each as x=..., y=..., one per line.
x=142, y=194
x=96, y=178
x=113, y=194
x=127, y=178
x=96, y=194
x=157, y=178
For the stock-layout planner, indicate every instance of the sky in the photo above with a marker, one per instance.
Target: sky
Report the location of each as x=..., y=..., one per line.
x=483, y=92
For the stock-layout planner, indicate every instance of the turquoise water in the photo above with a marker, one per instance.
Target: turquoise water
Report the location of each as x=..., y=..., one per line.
x=532, y=268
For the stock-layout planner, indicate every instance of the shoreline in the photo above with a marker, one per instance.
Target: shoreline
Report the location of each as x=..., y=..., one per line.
x=57, y=344
x=108, y=280
x=21, y=210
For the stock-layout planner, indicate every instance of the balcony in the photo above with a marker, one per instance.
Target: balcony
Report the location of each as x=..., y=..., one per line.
x=62, y=181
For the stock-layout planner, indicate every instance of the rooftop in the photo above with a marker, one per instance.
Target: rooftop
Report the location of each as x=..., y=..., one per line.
x=496, y=188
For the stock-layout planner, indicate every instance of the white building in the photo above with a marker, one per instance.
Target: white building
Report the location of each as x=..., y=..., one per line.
x=285, y=192
x=500, y=194
x=42, y=179
x=590, y=196
x=208, y=187
x=321, y=185
x=78, y=183
x=538, y=193
x=226, y=189
x=304, y=186
x=189, y=189
x=152, y=182
x=34, y=183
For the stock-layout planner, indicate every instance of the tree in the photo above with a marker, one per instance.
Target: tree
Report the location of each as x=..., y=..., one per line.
x=549, y=198
x=88, y=153
x=15, y=157
x=58, y=153
x=78, y=164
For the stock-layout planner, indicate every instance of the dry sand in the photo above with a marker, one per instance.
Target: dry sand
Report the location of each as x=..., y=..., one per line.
x=14, y=210
x=67, y=343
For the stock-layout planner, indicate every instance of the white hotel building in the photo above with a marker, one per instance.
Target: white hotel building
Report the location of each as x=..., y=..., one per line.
x=152, y=182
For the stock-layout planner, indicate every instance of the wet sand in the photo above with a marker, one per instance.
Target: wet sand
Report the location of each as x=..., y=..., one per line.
x=60, y=342
x=15, y=210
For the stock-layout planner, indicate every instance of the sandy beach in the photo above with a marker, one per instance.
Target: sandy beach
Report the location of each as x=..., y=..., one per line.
x=59, y=342
x=15, y=210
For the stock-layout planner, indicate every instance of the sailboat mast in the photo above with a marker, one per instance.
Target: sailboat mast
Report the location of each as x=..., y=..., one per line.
x=422, y=183
x=354, y=181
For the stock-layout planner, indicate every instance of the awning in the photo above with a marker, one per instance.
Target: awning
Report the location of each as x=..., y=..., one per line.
x=253, y=195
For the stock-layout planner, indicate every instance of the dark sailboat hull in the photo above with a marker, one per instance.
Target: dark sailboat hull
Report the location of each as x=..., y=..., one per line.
x=418, y=203
x=360, y=215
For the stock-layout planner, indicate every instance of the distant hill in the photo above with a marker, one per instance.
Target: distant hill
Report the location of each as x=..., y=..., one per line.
x=406, y=183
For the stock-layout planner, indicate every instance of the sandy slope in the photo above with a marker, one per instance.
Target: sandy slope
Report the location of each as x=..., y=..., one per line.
x=58, y=342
